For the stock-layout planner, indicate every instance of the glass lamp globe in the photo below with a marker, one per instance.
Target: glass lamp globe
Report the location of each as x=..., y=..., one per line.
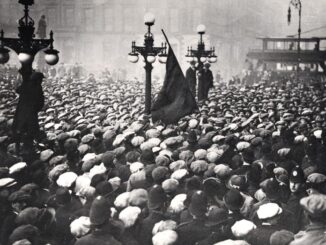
x=201, y=29
x=189, y=58
x=149, y=19
x=151, y=58
x=212, y=59
x=51, y=59
x=195, y=59
x=162, y=59
x=133, y=58
x=203, y=59
x=25, y=58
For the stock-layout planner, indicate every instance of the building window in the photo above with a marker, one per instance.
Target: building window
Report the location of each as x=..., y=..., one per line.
x=174, y=20
x=89, y=19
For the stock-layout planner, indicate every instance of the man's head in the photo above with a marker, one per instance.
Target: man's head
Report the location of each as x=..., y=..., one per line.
x=315, y=207
x=297, y=179
x=207, y=66
x=192, y=64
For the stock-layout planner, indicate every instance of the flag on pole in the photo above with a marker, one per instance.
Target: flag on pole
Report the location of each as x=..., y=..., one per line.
x=175, y=99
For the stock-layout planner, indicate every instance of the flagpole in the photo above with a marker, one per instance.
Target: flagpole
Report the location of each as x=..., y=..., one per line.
x=166, y=38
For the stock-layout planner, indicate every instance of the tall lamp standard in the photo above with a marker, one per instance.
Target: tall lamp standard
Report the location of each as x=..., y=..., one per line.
x=297, y=4
x=26, y=46
x=200, y=55
x=149, y=52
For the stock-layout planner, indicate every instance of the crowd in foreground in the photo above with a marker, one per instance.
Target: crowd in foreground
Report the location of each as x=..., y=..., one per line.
x=248, y=168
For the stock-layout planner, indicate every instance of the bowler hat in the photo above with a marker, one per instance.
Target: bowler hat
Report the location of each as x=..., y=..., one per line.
x=233, y=200
x=156, y=197
x=100, y=211
x=198, y=203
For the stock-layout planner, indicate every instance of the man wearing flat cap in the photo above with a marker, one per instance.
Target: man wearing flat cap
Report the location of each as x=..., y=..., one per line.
x=269, y=214
x=315, y=208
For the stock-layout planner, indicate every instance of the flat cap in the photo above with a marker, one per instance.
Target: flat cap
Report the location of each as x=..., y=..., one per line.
x=315, y=205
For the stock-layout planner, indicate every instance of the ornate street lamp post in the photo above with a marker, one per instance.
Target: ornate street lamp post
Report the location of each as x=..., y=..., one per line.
x=149, y=52
x=200, y=56
x=26, y=46
x=297, y=4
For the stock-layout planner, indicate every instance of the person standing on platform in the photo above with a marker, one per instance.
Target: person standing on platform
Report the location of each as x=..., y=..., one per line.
x=41, y=30
x=191, y=77
x=205, y=82
x=31, y=100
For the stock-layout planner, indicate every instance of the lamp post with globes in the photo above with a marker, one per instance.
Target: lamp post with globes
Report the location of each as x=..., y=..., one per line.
x=200, y=55
x=26, y=46
x=149, y=52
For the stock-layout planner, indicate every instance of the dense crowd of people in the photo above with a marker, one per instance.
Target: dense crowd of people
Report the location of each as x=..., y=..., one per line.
x=248, y=168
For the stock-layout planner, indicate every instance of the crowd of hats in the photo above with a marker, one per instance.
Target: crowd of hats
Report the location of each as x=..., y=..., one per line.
x=101, y=160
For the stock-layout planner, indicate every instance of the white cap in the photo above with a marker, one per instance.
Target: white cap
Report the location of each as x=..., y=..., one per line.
x=268, y=210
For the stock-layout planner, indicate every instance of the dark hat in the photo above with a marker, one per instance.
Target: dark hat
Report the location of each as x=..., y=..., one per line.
x=108, y=158
x=198, y=204
x=100, y=211
x=233, y=200
x=216, y=216
x=62, y=196
x=256, y=141
x=19, y=196
x=271, y=187
x=156, y=197
x=96, y=179
x=28, y=216
x=28, y=232
x=192, y=137
x=297, y=175
x=147, y=157
x=71, y=145
x=193, y=183
x=282, y=237
x=103, y=188
x=213, y=186
x=159, y=174
x=62, y=137
x=132, y=156
x=248, y=155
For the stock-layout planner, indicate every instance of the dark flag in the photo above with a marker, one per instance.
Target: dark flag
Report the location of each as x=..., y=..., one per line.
x=175, y=99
